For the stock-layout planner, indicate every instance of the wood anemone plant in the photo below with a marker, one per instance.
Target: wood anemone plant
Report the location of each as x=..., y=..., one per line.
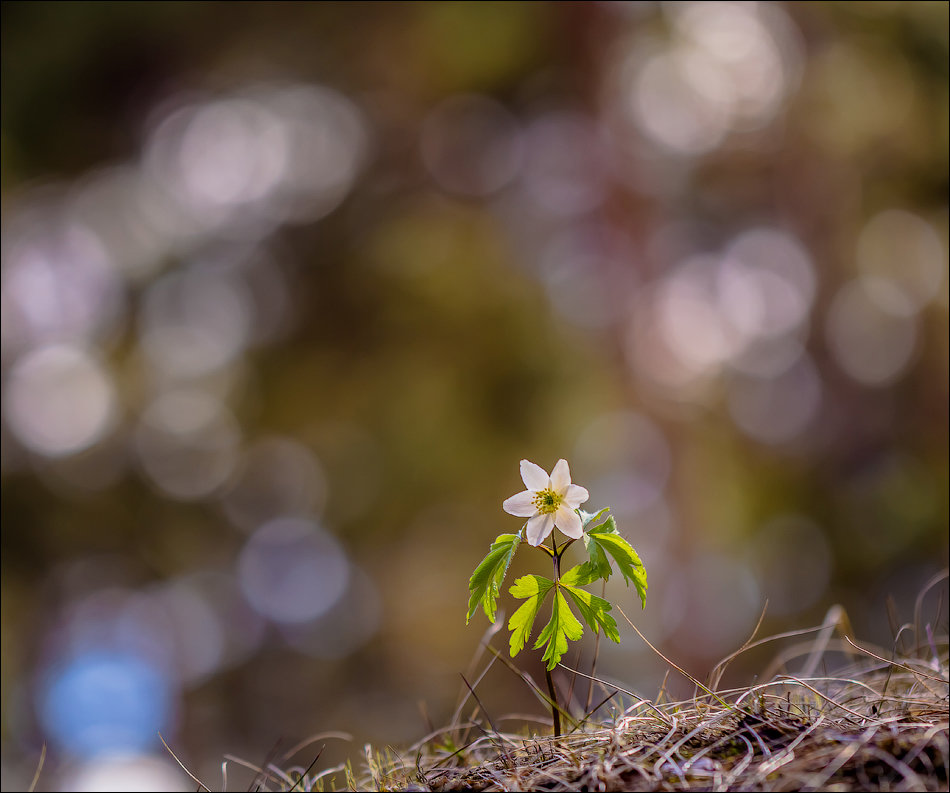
x=551, y=502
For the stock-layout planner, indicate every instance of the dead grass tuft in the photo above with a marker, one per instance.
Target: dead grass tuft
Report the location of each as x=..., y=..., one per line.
x=878, y=723
x=823, y=733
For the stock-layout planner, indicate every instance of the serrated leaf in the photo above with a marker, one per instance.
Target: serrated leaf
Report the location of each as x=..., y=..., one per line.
x=605, y=539
x=598, y=557
x=562, y=626
x=485, y=583
x=581, y=575
x=535, y=588
x=594, y=611
x=591, y=517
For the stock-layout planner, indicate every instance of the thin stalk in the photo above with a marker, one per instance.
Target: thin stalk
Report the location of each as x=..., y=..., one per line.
x=552, y=691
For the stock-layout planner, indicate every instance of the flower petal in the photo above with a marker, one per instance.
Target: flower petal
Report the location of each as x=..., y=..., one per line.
x=522, y=505
x=575, y=496
x=561, y=477
x=534, y=476
x=568, y=522
x=539, y=527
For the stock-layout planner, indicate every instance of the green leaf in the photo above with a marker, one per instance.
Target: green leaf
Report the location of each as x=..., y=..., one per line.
x=485, y=583
x=562, y=626
x=598, y=556
x=594, y=611
x=591, y=517
x=605, y=540
x=535, y=588
x=581, y=575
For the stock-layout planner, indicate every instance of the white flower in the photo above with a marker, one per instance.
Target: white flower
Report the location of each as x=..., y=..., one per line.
x=549, y=501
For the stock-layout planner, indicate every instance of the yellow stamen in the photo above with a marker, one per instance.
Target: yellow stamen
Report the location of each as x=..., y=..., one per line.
x=547, y=501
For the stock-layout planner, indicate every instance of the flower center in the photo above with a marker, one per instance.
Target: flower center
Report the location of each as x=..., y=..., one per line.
x=547, y=501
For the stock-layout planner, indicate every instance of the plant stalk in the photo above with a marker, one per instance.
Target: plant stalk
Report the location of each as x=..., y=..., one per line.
x=552, y=691
x=555, y=710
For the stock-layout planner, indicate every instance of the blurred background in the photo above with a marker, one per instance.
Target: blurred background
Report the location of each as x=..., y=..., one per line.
x=288, y=290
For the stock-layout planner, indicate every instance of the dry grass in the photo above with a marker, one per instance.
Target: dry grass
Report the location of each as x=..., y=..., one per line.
x=826, y=733
x=878, y=723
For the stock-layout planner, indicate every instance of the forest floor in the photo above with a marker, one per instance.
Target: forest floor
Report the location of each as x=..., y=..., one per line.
x=878, y=722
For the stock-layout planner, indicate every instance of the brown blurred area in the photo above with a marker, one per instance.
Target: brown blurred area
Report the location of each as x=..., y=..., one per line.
x=288, y=290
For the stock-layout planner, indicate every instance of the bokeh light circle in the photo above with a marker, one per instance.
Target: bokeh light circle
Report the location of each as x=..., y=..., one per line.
x=187, y=443
x=471, y=145
x=59, y=400
x=872, y=344
x=292, y=571
x=100, y=701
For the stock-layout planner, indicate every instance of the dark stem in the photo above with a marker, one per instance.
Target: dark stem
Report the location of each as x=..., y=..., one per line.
x=555, y=708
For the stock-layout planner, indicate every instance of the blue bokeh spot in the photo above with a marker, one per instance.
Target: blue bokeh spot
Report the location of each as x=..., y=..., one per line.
x=105, y=701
